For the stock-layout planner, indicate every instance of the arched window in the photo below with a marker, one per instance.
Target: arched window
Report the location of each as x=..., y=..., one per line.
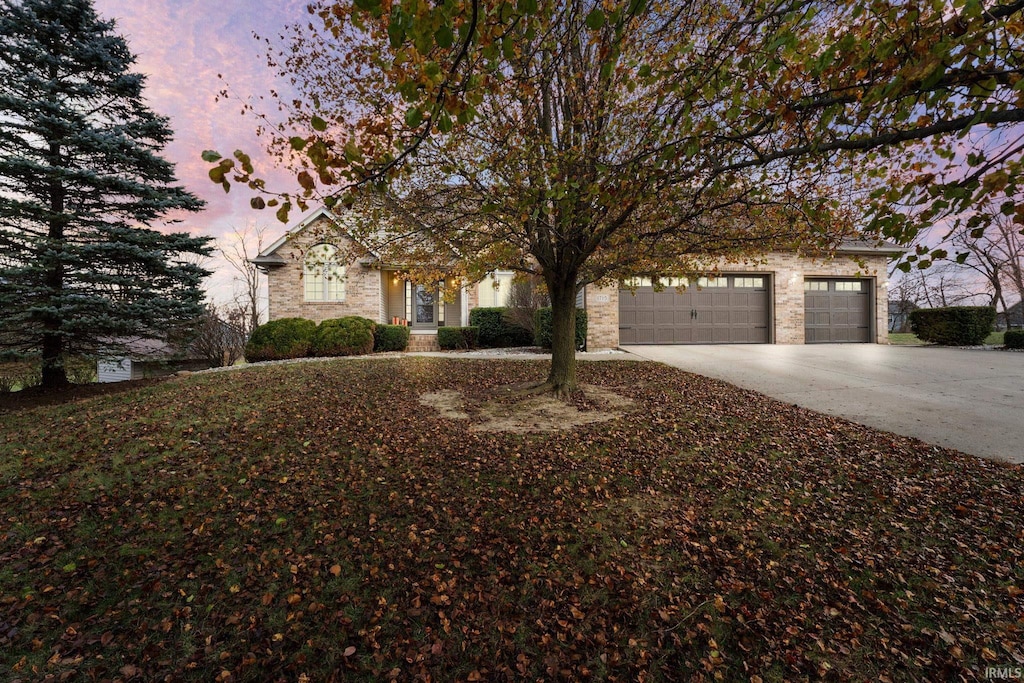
x=324, y=277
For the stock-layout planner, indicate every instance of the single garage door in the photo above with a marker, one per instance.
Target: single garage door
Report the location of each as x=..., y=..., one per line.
x=729, y=309
x=837, y=311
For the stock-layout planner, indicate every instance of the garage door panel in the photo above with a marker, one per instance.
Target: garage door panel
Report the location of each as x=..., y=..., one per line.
x=734, y=311
x=721, y=317
x=644, y=336
x=837, y=310
x=719, y=298
x=664, y=299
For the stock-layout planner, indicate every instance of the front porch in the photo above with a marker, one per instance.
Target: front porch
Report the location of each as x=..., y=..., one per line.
x=421, y=307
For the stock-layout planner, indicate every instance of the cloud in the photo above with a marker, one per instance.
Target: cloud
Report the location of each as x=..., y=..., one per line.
x=183, y=46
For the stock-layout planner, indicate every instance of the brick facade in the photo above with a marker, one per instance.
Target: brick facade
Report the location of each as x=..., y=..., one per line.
x=286, y=289
x=366, y=287
x=787, y=272
x=602, y=304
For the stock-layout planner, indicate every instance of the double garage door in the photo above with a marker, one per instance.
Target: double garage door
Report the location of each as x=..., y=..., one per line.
x=735, y=309
x=729, y=309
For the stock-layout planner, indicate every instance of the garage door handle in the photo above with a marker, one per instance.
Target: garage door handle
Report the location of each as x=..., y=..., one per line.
x=693, y=314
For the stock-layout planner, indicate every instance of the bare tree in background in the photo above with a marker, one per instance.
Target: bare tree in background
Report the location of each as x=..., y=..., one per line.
x=904, y=298
x=219, y=334
x=244, y=244
x=1009, y=240
x=940, y=285
x=986, y=261
x=524, y=298
x=997, y=255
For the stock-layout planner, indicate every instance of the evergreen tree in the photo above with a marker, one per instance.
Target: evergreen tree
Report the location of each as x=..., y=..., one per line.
x=80, y=178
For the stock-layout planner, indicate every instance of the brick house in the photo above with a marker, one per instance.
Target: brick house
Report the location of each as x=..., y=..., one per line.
x=314, y=271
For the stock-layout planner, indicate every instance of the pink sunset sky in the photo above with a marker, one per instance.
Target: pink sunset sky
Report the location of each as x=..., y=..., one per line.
x=182, y=46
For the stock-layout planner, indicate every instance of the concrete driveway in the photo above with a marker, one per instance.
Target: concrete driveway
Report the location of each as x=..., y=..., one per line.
x=970, y=400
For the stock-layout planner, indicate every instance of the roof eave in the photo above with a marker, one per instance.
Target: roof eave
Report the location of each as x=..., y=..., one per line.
x=268, y=253
x=273, y=261
x=883, y=248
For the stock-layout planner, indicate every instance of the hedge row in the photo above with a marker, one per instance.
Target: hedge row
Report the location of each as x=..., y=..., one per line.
x=495, y=331
x=449, y=338
x=298, y=338
x=280, y=339
x=348, y=336
x=22, y=373
x=543, y=333
x=354, y=335
x=953, y=325
x=1014, y=339
x=391, y=338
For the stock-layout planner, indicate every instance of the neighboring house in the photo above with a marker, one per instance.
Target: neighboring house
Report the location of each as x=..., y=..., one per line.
x=1012, y=317
x=780, y=298
x=899, y=314
x=148, y=358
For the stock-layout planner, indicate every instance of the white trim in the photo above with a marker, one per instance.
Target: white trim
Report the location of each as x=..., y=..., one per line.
x=326, y=277
x=487, y=284
x=464, y=306
x=408, y=302
x=320, y=211
x=300, y=226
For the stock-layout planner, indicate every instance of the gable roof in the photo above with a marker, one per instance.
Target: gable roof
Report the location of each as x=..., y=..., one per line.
x=268, y=258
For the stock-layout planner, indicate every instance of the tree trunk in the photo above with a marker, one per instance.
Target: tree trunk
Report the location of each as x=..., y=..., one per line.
x=562, y=378
x=53, y=374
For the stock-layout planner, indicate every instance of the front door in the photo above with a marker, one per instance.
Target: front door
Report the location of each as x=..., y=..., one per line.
x=424, y=315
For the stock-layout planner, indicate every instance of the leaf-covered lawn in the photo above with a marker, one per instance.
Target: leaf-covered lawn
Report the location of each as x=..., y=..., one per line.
x=316, y=522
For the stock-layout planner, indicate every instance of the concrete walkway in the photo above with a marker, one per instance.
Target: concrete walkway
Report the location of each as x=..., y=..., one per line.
x=967, y=399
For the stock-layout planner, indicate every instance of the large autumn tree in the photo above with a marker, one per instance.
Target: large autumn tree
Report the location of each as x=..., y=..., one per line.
x=80, y=179
x=588, y=141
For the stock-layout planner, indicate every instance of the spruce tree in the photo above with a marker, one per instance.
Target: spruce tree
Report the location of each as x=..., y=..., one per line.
x=81, y=179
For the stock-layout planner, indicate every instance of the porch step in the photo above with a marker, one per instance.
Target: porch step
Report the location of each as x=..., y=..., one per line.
x=423, y=342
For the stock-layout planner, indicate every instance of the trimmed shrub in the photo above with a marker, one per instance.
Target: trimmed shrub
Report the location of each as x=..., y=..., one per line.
x=1014, y=339
x=449, y=338
x=280, y=339
x=80, y=370
x=13, y=375
x=19, y=372
x=953, y=325
x=542, y=328
x=390, y=337
x=496, y=331
x=348, y=336
x=33, y=376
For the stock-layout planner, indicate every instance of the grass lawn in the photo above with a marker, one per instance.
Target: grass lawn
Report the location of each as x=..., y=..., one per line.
x=905, y=339
x=909, y=339
x=317, y=522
